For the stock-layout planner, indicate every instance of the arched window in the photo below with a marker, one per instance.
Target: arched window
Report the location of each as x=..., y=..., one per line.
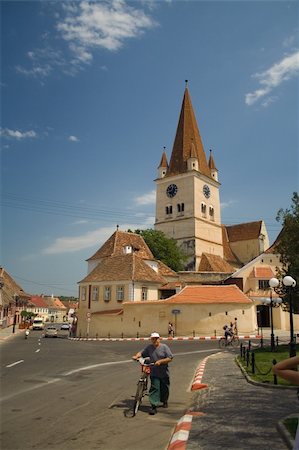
x=211, y=213
x=203, y=209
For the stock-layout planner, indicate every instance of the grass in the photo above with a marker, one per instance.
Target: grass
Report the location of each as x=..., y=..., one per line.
x=264, y=363
x=291, y=424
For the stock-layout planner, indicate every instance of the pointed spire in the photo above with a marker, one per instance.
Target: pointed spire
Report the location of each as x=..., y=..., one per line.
x=213, y=168
x=186, y=134
x=212, y=164
x=164, y=162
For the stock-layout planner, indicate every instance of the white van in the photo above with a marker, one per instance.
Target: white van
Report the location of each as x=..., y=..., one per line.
x=38, y=323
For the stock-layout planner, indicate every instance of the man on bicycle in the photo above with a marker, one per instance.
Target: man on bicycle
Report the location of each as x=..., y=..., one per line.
x=228, y=332
x=159, y=354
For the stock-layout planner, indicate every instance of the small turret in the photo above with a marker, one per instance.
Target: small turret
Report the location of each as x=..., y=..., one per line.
x=163, y=166
x=212, y=167
x=192, y=161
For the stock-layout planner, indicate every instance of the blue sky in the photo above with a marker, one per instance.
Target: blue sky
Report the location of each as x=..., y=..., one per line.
x=91, y=92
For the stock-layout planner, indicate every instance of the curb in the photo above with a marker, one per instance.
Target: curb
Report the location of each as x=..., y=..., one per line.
x=289, y=441
x=197, y=384
x=257, y=383
x=182, y=338
x=180, y=435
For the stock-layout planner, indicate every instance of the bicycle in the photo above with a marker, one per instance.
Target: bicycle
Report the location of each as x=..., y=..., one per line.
x=142, y=383
x=234, y=342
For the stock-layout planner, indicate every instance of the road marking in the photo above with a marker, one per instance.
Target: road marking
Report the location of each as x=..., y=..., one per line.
x=93, y=366
x=111, y=363
x=23, y=391
x=38, y=350
x=15, y=363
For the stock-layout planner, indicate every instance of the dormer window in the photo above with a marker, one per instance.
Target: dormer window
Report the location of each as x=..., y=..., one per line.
x=128, y=249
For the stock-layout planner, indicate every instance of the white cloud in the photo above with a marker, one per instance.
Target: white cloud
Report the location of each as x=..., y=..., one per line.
x=146, y=199
x=17, y=134
x=271, y=78
x=85, y=26
x=73, y=139
x=228, y=204
x=90, y=239
x=106, y=24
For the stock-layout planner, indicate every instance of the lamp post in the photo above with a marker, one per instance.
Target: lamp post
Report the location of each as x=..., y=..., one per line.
x=15, y=315
x=273, y=283
x=290, y=283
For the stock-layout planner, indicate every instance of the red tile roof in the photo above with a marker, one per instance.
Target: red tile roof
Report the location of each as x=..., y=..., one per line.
x=38, y=301
x=244, y=231
x=262, y=273
x=123, y=268
x=115, y=245
x=214, y=263
x=204, y=295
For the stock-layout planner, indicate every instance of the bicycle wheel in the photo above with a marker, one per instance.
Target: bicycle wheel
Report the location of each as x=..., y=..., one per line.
x=138, y=396
x=222, y=342
x=235, y=342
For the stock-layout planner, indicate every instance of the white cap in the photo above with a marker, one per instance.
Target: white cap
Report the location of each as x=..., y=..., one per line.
x=155, y=335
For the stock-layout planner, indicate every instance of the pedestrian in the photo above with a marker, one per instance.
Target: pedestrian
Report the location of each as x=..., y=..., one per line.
x=287, y=369
x=170, y=329
x=235, y=326
x=159, y=354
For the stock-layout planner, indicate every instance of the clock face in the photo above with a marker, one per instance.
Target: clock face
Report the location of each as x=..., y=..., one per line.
x=206, y=191
x=171, y=190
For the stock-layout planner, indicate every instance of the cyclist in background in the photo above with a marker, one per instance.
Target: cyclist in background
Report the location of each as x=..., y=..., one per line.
x=159, y=354
x=228, y=332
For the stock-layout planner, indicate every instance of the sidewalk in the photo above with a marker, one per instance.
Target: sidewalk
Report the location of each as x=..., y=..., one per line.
x=6, y=333
x=236, y=414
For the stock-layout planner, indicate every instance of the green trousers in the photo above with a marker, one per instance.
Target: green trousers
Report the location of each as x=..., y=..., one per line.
x=159, y=390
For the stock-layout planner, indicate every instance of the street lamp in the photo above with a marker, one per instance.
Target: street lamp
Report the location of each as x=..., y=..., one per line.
x=273, y=283
x=290, y=283
x=15, y=315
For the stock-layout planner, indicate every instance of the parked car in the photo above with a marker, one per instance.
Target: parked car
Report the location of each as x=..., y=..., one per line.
x=65, y=326
x=51, y=331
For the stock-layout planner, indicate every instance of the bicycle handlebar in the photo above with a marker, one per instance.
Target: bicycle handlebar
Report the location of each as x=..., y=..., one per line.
x=144, y=361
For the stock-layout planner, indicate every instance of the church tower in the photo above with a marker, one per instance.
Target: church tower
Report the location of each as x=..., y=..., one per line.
x=187, y=192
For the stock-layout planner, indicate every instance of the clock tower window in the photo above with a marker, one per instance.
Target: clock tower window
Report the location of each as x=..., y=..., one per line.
x=181, y=207
x=203, y=210
x=168, y=210
x=211, y=212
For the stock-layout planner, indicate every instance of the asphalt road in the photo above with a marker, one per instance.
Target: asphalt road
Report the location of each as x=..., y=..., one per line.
x=61, y=394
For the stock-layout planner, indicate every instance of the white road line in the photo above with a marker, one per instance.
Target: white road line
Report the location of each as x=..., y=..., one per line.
x=32, y=388
x=15, y=363
x=38, y=350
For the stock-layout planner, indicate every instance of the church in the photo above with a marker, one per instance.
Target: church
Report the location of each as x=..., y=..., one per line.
x=128, y=293
x=188, y=205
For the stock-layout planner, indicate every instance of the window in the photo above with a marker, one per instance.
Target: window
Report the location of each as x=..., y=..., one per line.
x=144, y=293
x=204, y=210
x=181, y=207
x=107, y=293
x=211, y=212
x=168, y=210
x=95, y=293
x=264, y=285
x=83, y=293
x=119, y=293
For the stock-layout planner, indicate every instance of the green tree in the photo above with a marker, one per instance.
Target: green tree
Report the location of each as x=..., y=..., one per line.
x=288, y=245
x=163, y=248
